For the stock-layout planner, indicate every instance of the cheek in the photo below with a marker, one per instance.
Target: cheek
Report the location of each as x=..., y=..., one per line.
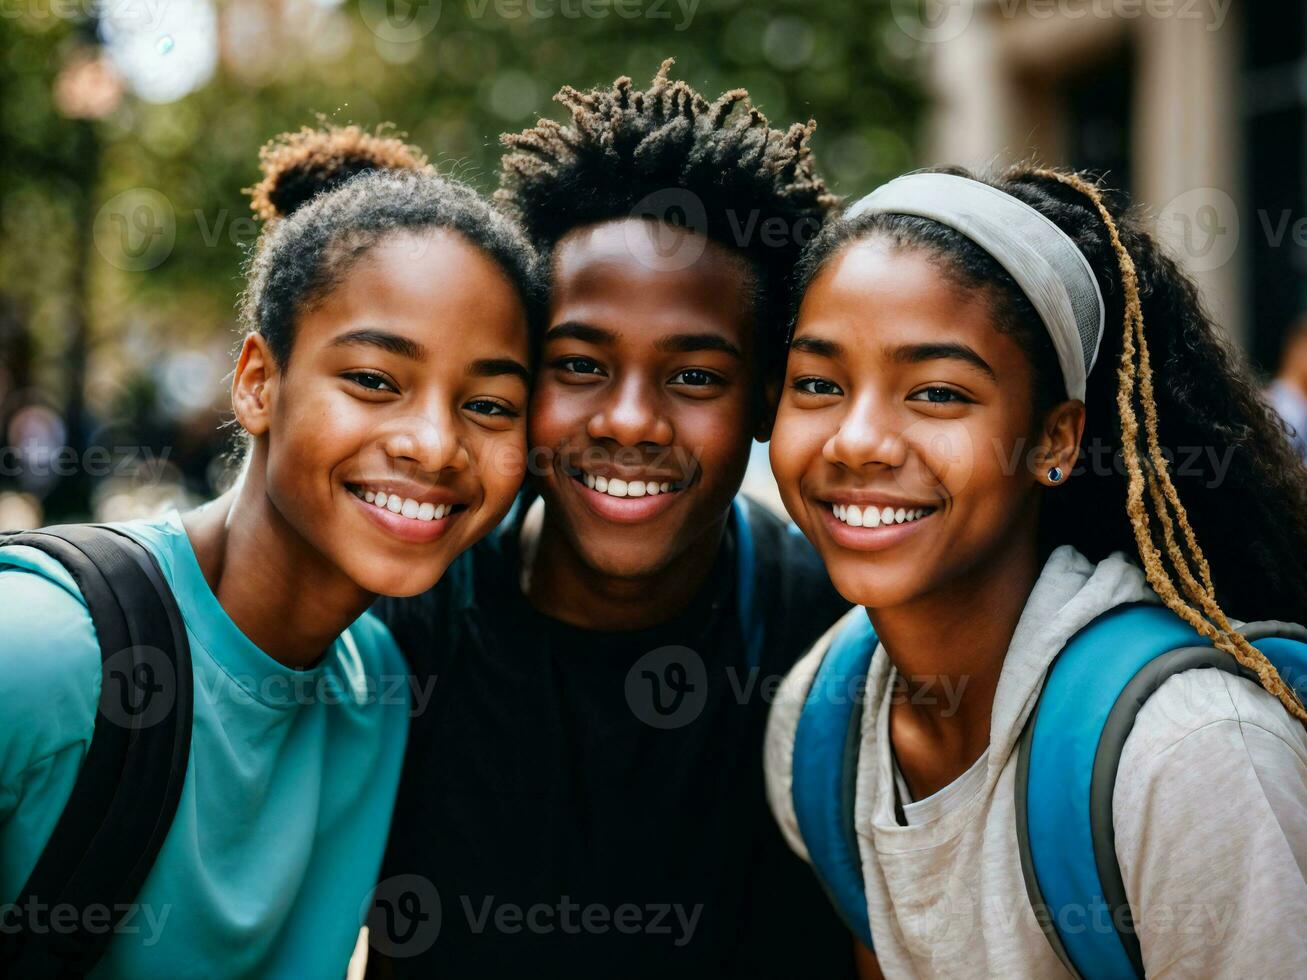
x=796, y=443
x=501, y=467
x=554, y=414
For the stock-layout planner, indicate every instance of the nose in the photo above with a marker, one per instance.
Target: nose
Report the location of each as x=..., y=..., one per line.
x=430, y=442
x=631, y=415
x=868, y=435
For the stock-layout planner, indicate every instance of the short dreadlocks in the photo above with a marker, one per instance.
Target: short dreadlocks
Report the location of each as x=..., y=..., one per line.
x=625, y=150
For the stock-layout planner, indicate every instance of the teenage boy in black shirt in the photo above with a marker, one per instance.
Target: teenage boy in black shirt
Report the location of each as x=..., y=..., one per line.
x=583, y=794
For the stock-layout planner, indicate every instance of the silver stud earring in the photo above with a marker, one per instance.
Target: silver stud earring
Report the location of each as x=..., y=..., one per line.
x=1055, y=475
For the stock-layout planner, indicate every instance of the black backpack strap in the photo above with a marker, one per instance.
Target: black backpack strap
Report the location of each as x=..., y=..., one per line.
x=127, y=790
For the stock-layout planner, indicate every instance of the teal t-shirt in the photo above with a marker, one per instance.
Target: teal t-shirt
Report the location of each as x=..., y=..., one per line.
x=278, y=838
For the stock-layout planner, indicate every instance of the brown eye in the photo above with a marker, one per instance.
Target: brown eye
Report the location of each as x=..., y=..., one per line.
x=371, y=381
x=939, y=395
x=817, y=386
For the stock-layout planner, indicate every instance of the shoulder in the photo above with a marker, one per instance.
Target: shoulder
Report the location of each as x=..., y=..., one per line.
x=49, y=662
x=783, y=725
x=1210, y=800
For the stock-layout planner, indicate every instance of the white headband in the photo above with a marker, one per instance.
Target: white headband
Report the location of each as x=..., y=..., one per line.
x=1046, y=264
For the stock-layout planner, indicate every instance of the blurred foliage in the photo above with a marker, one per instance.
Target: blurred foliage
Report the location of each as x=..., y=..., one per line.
x=77, y=317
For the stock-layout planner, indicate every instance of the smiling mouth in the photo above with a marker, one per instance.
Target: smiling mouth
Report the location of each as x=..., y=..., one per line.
x=872, y=516
x=617, y=487
x=405, y=507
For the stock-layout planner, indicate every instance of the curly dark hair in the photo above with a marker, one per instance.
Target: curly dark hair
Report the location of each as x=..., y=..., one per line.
x=1162, y=360
x=330, y=195
x=629, y=153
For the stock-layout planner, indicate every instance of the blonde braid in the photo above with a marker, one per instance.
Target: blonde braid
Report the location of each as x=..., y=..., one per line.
x=1138, y=379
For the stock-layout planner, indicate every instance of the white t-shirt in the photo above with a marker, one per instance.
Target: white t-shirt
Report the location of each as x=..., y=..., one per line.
x=1210, y=814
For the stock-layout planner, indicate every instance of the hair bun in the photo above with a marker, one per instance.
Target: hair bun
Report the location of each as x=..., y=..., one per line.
x=299, y=166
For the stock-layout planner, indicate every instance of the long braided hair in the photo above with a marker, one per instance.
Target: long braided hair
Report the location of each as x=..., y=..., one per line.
x=1199, y=398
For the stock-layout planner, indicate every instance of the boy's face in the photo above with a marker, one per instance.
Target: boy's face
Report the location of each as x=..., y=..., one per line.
x=646, y=400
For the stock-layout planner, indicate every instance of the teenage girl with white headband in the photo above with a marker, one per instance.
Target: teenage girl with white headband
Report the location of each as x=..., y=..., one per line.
x=1007, y=418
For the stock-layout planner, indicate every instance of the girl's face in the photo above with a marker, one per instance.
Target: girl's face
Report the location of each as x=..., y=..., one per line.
x=906, y=437
x=395, y=437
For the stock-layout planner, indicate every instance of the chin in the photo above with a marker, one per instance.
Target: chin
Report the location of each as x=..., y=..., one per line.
x=401, y=584
x=871, y=589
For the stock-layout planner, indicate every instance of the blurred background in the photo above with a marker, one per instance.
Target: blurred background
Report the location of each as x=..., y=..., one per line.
x=128, y=129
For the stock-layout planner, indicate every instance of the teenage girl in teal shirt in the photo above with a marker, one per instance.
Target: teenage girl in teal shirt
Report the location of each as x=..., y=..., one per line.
x=381, y=386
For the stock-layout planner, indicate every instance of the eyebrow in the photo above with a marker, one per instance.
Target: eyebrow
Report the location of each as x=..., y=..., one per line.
x=688, y=343
x=818, y=346
x=584, y=332
x=494, y=367
x=917, y=353
x=391, y=342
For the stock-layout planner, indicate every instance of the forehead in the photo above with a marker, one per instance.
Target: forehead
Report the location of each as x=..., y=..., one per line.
x=433, y=281
x=890, y=294
x=635, y=274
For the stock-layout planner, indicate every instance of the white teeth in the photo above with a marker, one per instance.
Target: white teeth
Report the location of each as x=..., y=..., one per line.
x=616, y=487
x=855, y=516
x=406, y=506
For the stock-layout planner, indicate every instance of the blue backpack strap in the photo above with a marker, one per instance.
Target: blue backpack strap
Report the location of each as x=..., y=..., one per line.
x=825, y=766
x=1067, y=765
x=746, y=583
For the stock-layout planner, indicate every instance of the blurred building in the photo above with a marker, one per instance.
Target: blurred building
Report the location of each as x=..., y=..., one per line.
x=1196, y=107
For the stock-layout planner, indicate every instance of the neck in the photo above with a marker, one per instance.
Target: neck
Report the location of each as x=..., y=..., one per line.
x=281, y=592
x=565, y=587
x=948, y=649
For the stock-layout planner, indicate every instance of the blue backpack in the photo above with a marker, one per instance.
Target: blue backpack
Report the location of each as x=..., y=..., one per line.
x=1066, y=769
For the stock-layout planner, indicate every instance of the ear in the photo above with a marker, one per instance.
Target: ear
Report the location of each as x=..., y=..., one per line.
x=767, y=402
x=1058, y=444
x=253, y=386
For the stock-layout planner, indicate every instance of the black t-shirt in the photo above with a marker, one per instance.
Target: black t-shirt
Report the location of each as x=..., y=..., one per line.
x=579, y=803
